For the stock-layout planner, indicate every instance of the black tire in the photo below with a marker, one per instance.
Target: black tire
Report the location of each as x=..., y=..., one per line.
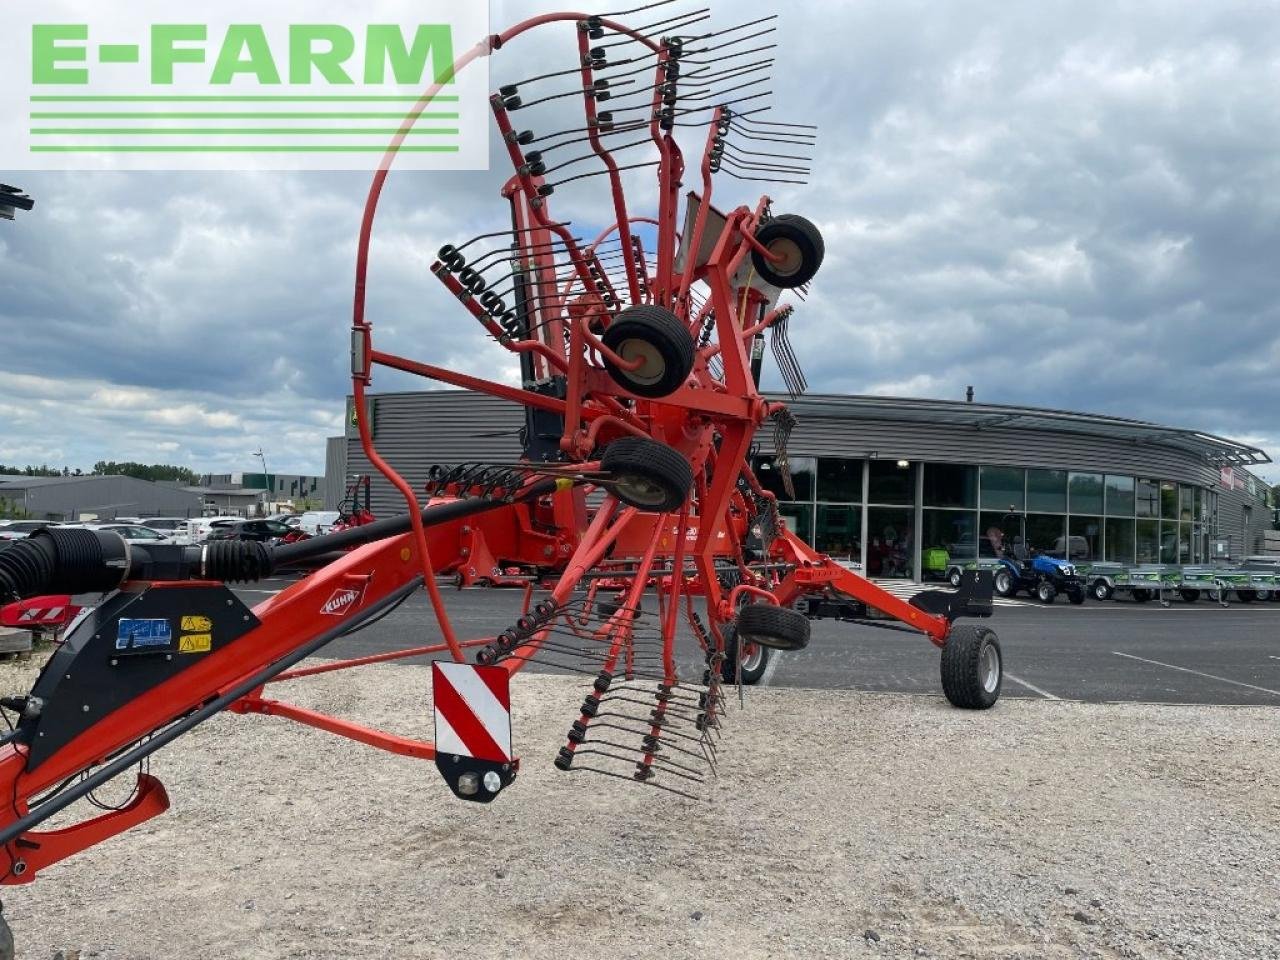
x=647, y=474
x=777, y=628
x=972, y=667
x=1076, y=596
x=1046, y=592
x=954, y=578
x=801, y=245
x=1189, y=596
x=1141, y=596
x=1246, y=596
x=754, y=660
x=657, y=336
x=1102, y=590
x=1004, y=583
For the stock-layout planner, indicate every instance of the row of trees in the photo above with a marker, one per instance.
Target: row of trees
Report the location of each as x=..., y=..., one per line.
x=141, y=471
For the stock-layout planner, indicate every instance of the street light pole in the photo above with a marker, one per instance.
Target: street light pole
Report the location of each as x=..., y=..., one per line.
x=265, y=475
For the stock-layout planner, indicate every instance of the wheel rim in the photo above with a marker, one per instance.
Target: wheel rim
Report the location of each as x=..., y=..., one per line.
x=1100, y=591
x=990, y=667
x=641, y=491
x=1002, y=582
x=653, y=365
x=792, y=257
x=955, y=580
x=752, y=655
x=1043, y=591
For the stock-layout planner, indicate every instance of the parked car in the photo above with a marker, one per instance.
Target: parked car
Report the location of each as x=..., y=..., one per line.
x=21, y=529
x=130, y=532
x=318, y=522
x=198, y=530
x=175, y=528
x=264, y=531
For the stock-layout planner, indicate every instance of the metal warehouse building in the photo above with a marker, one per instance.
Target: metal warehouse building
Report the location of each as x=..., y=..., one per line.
x=96, y=498
x=892, y=484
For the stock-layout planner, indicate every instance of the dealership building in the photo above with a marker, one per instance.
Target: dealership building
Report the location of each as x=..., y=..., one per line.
x=894, y=484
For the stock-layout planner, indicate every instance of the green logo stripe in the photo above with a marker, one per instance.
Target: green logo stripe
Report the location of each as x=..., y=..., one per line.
x=238, y=131
x=113, y=98
x=204, y=148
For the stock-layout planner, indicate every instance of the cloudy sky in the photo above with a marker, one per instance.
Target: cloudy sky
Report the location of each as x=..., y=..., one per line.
x=1073, y=205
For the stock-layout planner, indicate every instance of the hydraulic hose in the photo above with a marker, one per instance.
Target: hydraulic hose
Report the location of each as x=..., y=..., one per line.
x=54, y=560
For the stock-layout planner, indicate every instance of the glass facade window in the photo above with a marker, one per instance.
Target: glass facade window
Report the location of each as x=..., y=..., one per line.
x=1119, y=541
x=952, y=531
x=1184, y=543
x=997, y=530
x=1003, y=488
x=1047, y=491
x=839, y=531
x=1169, y=501
x=799, y=519
x=839, y=481
x=1186, y=503
x=1148, y=541
x=1086, y=493
x=1168, y=541
x=1047, y=533
x=950, y=485
x=1148, y=498
x=890, y=543
x=891, y=483
x=1119, y=496
x=802, y=475
x=1085, y=538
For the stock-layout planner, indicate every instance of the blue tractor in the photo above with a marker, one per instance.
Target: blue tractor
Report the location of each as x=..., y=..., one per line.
x=1039, y=574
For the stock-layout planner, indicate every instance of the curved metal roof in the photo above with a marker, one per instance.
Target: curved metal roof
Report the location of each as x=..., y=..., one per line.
x=1218, y=451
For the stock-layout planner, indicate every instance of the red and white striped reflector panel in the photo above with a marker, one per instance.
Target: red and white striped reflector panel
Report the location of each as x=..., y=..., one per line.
x=53, y=611
x=473, y=710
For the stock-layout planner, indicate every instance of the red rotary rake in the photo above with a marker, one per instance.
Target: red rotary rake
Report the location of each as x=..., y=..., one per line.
x=640, y=354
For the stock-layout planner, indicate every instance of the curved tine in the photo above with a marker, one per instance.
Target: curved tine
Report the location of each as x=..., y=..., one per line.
x=577, y=92
x=725, y=46
x=775, y=123
x=755, y=96
x=734, y=148
x=730, y=56
x=728, y=30
x=729, y=72
x=599, y=173
x=738, y=176
x=670, y=23
x=626, y=13
x=509, y=252
x=594, y=156
x=716, y=95
x=506, y=233
x=776, y=167
x=709, y=93
x=627, y=127
x=775, y=138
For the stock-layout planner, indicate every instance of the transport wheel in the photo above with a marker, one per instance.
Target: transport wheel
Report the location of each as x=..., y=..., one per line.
x=1141, y=596
x=1102, y=590
x=754, y=660
x=972, y=667
x=1246, y=596
x=954, y=578
x=777, y=628
x=1189, y=596
x=1046, y=591
x=1076, y=596
x=647, y=474
x=1004, y=583
x=799, y=244
x=1264, y=596
x=655, y=336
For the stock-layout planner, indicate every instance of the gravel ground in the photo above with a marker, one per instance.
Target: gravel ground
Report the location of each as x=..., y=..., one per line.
x=842, y=825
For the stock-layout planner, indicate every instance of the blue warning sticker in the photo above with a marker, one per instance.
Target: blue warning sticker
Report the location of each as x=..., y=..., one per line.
x=143, y=634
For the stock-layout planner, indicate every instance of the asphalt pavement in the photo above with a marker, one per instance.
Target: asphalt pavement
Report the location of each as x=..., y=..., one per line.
x=1098, y=652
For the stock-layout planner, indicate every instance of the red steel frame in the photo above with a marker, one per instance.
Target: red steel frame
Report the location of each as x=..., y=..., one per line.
x=711, y=420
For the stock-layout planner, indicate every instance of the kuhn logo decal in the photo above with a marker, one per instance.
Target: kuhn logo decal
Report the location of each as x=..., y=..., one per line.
x=341, y=601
